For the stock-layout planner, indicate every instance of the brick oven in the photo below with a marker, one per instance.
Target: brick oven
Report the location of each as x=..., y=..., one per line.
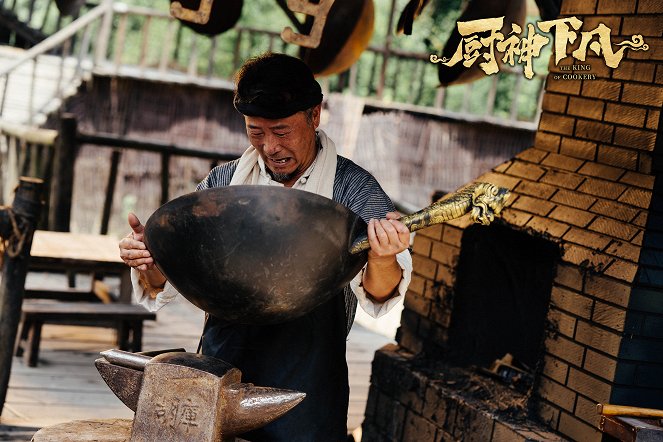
x=569, y=281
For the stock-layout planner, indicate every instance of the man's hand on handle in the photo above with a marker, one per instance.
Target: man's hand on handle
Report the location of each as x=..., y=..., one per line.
x=387, y=237
x=134, y=253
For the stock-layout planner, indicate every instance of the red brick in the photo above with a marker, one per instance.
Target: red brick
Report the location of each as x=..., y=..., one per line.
x=593, y=130
x=417, y=285
x=586, y=411
x=499, y=180
x=608, y=290
x=424, y=266
x=593, y=21
x=584, y=7
x=601, y=171
x=655, y=52
x=613, y=228
x=547, y=226
x=433, y=232
x=586, y=238
x=641, y=219
x=562, y=86
x=538, y=190
x=645, y=164
x=558, y=124
x=577, y=430
x=554, y=368
x=624, y=250
x=602, y=188
x=526, y=170
x=590, y=386
x=452, y=235
x=445, y=275
x=572, y=216
x=445, y=254
x=609, y=316
x=650, y=6
x=643, y=25
x=546, y=141
x=643, y=95
x=599, y=339
x=600, y=365
x=516, y=217
x=578, y=148
x=557, y=394
x=653, y=118
x=571, y=302
x=597, y=64
x=565, y=349
x=563, y=179
x=634, y=71
x=533, y=205
x=563, y=162
x=502, y=167
x=615, y=7
x=586, y=108
x=614, y=209
x=618, y=156
x=569, y=276
x=532, y=155
x=583, y=256
x=640, y=139
x=421, y=245
x=638, y=179
x=659, y=74
x=637, y=240
x=628, y=115
x=622, y=270
x=637, y=197
x=573, y=199
x=603, y=89
x=555, y=103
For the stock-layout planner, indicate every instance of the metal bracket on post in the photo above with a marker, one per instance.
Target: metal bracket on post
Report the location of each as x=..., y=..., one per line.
x=21, y=220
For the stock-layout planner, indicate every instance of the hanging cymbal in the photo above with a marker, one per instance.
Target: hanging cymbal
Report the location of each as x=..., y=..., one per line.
x=69, y=7
x=346, y=35
x=223, y=16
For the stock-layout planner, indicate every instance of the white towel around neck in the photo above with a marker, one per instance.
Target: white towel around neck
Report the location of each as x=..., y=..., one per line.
x=320, y=180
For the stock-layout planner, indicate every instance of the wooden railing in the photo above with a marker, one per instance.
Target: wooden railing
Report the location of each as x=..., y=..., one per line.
x=51, y=155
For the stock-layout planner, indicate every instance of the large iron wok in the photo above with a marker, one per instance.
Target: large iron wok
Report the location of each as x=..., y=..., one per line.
x=261, y=255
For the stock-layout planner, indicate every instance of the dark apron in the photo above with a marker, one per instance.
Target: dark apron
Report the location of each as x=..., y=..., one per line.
x=307, y=354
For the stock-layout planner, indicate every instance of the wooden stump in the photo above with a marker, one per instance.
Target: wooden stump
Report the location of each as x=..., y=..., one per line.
x=98, y=430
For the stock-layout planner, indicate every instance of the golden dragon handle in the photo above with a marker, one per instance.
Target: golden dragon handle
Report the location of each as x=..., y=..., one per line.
x=483, y=201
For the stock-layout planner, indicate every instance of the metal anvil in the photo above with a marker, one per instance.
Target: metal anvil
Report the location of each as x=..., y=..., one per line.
x=181, y=396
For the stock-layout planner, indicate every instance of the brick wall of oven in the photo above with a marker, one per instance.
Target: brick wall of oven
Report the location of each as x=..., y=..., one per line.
x=591, y=184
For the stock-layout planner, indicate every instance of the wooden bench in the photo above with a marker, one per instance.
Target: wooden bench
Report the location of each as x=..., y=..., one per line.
x=127, y=319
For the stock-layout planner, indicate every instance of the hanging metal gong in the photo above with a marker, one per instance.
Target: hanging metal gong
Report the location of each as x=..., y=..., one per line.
x=223, y=16
x=346, y=35
x=255, y=254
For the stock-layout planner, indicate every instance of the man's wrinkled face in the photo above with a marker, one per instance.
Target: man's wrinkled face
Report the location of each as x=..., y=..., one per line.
x=286, y=145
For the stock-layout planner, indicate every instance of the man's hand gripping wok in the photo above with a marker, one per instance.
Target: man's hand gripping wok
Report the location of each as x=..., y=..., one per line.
x=134, y=253
x=387, y=238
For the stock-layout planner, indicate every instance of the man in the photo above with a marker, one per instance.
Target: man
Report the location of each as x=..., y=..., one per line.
x=281, y=104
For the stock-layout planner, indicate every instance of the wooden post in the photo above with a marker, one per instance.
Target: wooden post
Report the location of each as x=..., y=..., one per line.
x=62, y=185
x=110, y=191
x=26, y=208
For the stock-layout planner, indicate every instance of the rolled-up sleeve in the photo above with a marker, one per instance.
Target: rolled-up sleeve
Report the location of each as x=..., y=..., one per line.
x=378, y=309
x=143, y=298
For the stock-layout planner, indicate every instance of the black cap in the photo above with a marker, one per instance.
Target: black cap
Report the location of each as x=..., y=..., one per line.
x=275, y=86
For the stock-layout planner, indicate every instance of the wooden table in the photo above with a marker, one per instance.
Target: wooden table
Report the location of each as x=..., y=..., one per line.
x=80, y=253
